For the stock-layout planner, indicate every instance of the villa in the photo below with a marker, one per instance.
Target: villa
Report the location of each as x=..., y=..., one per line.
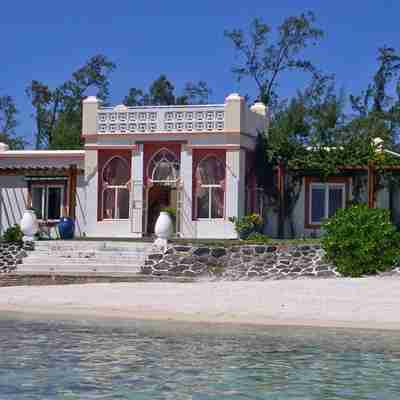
x=195, y=159
x=136, y=161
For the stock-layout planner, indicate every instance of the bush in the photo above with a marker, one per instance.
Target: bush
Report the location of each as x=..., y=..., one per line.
x=13, y=234
x=258, y=238
x=247, y=225
x=361, y=240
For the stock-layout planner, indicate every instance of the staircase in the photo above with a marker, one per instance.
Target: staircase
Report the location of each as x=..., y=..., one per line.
x=86, y=257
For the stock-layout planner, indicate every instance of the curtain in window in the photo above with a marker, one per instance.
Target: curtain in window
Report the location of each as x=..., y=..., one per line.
x=116, y=178
x=210, y=188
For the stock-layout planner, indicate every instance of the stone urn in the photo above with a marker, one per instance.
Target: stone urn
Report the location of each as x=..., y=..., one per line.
x=29, y=225
x=163, y=229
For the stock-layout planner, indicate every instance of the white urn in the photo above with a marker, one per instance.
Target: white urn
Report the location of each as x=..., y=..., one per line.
x=164, y=227
x=29, y=224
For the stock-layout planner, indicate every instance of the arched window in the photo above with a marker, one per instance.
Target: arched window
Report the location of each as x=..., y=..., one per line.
x=210, y=188
x=163, y=167
x=115, y=196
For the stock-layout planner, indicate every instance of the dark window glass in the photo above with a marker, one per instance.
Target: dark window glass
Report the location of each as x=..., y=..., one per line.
x=317, y=204
x=54, y=203
x=335, y=200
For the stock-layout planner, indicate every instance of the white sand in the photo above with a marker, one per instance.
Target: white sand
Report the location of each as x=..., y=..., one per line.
x=358, y=303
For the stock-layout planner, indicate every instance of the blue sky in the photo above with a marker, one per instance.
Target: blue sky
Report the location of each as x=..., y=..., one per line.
x=47, y=40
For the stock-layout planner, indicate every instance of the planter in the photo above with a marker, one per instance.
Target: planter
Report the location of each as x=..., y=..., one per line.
x=66, y=228
x=164, y=226
x=29, y=225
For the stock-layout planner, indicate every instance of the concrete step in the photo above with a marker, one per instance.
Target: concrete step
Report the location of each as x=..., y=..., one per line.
x=84, y=261
x=114, y=268
x=89, y=254
x=78, y=245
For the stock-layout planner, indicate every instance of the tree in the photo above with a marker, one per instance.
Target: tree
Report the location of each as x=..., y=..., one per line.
x=264, y=61
x=58, y=112
x=162, y=92
x=8, y=123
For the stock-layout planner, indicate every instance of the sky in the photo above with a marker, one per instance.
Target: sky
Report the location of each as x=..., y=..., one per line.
x=47, y=40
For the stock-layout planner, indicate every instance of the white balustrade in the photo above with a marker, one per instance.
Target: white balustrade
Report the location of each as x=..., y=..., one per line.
x=120, y=119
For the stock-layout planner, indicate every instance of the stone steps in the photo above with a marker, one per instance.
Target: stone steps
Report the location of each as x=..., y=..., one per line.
x=51, y=267
x=86, y=257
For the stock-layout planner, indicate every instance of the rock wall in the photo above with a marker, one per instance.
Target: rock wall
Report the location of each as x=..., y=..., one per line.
x=11, y=254
x=241, y=262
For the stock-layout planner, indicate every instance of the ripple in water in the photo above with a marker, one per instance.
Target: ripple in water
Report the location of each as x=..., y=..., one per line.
x=137, y=360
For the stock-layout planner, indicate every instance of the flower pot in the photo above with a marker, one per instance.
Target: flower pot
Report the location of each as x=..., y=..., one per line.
x=29, y=224
x=66, y=228
x=164, y=226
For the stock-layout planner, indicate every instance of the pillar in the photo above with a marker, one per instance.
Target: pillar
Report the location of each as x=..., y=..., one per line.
x=235, y=183
x=137, y=190
x=187, y=225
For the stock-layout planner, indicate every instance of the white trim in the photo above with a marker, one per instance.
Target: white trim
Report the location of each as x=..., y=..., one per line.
x=209, y=187
x=326, y=187
x=151, y=160
x=45, y=199
x=126, y=186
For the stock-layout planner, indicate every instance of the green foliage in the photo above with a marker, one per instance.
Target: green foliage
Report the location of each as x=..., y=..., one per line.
x=162, y=92
x=57, y=111
x=247, y=225
x=13, y=234
x=264, y=60
x=257, y=237
x=8, y=123
x=171, y=211
x=360, y=240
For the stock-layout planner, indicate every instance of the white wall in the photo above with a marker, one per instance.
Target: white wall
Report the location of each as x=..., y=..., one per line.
x=13, y=200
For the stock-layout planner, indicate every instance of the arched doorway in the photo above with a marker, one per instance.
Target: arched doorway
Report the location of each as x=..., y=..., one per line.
x=163, y=187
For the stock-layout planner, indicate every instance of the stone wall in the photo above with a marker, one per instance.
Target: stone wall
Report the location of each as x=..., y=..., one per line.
x=241, y=262
x=11, y=254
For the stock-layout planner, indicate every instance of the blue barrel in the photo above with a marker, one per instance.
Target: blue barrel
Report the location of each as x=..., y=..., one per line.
x=66, y=228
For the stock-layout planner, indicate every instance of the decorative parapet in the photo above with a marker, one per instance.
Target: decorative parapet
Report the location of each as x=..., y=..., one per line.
x=232, y=116
x=123, y=119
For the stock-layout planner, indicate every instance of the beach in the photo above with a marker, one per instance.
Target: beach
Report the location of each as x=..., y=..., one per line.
x=367, y=303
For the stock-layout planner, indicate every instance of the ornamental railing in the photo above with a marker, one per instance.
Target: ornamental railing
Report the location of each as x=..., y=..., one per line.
x=195, y=118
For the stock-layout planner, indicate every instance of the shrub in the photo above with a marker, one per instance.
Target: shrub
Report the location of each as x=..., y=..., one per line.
x=13, y=234
x=360, y=240
x=258, y=237
x=247, y=225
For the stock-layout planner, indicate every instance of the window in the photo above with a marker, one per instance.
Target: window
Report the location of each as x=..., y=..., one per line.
x=210, y=188
x=164, y=167
x=48, y=201
x=325, y=200
x=115, y=195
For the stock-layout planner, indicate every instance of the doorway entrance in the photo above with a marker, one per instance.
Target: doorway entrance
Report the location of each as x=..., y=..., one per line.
x=159, y=198
x=163, y=188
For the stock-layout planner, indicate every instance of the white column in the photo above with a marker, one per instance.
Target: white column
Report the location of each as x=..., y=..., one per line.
x=91, y=191
x=137, y=191
x=188, y=230
x=235, y=183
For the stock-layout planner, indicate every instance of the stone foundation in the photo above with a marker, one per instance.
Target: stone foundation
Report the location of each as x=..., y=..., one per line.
x=11, y=254
x=241, y=262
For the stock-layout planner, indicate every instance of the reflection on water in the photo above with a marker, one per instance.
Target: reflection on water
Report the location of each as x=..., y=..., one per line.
x=136, y=360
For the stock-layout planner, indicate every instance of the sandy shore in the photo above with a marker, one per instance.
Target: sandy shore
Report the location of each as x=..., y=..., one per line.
x=357, y=303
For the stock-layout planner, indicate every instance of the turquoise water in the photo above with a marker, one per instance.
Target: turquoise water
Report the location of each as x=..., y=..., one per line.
x=137, y=360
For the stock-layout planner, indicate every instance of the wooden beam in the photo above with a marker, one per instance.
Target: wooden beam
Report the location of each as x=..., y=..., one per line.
x=371, y=185
x=281, y=199
x=72, y=191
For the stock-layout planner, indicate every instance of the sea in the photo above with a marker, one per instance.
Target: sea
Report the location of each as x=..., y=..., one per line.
x=50, y=358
